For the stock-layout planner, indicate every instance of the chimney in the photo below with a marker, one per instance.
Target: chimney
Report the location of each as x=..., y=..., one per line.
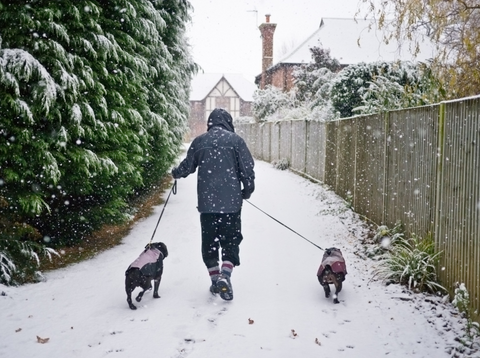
x=266, y=29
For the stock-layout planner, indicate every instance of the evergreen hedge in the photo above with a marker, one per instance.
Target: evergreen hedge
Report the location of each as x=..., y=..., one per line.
x=93, y=107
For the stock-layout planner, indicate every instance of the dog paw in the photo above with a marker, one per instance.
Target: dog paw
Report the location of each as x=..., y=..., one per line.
x=132, y=307
x=155, y=295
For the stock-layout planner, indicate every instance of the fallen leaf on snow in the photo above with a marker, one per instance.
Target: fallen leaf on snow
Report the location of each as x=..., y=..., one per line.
x=251, y=321
x=18, y=330
x=42, y=340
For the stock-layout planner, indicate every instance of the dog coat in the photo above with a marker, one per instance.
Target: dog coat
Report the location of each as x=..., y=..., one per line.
x=334, y=258
x=149, y=262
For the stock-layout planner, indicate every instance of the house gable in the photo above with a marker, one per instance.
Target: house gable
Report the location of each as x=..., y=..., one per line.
x=209, y=91
x=223, y=96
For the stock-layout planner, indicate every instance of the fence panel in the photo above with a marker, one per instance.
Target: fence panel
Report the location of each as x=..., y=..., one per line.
x=266, y=143
x=275, y=142
x=411, y=168
x=369, y=188
x=315, y=156
x=256, y=135
x=458, y=227
x=299, y=139
x=345, y=158
x=286, y=140
x=330, y=176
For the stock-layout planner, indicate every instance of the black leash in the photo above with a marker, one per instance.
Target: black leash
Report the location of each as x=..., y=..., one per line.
x=303, y=237
x=174, y=191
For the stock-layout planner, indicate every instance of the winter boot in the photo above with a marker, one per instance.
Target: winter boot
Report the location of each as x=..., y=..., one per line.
x=224, y=286
x=214, y=289
x=214, y=273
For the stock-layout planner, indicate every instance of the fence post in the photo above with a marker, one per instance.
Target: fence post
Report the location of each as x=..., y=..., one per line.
x=439, y=189
x=385, y=167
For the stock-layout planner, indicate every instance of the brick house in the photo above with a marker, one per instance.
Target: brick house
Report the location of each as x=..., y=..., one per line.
x=209, y=91
x=350, y=41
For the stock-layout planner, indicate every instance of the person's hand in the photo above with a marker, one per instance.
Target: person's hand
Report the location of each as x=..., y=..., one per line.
x=246, y=194
x=173, y=174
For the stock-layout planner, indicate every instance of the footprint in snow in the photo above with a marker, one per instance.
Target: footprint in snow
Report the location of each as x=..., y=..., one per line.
x=115, y=350
x=213, y=319
x=185, y=348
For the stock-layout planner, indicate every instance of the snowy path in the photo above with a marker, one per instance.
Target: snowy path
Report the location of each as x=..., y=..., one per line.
x=279, y=308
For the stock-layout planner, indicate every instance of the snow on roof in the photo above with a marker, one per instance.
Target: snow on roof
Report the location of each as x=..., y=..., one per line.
x=352, y=41
x=204, y=83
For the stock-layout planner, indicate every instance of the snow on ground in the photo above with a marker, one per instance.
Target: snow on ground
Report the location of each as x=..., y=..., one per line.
x=279, y=309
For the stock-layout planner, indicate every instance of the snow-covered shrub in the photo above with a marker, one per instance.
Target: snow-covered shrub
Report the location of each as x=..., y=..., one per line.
x=313, y=80
x=461, y=300
x=268, y=101
x=382, y=240
x=374, y=87
x=313, y=83
x=93, y=108
x=244, y=119
x=19, y=260
x=410, y=85
x=411, y=262
x=281, y=164
x=274, y=105
x=386, y=237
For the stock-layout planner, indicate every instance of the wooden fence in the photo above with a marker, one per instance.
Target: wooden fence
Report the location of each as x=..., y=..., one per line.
x=420, y=166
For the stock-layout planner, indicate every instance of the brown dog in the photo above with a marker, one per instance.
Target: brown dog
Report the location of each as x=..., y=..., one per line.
x=147, y=267
x=332, y=270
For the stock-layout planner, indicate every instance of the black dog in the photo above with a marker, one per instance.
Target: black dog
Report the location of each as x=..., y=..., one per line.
x=147, y=267
x=332, y=270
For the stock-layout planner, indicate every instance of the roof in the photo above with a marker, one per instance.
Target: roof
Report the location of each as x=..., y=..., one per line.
x=351, y=41
x=204, y=83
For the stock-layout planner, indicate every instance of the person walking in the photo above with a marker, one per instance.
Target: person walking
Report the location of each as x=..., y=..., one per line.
x=225, y=177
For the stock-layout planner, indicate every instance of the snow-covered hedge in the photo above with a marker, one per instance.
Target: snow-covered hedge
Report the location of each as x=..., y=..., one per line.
x=367, y=88
x=93, y=108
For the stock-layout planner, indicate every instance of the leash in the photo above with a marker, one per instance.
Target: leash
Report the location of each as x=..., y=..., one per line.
x=174, y=191
x=303, y=237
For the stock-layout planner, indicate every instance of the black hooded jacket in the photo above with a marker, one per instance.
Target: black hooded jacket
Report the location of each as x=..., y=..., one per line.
x=224, y=165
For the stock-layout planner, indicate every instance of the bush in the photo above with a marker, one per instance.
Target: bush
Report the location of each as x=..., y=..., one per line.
x=19, y=260
x=268, y=101
x=367, y=88
x=93, y=108
x=411, y=262
x=461, y=300
x=281, y=164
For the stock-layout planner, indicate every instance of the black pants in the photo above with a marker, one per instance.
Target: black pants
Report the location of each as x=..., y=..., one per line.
x=221, y=231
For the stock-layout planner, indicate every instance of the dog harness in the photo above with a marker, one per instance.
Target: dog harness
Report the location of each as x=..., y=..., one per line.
x=333, y=257
x=149, y=262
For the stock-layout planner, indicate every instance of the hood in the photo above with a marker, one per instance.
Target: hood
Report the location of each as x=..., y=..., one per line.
x=220, y=118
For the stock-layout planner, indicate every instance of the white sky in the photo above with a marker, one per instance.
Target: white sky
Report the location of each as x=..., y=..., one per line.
x=224, y=33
